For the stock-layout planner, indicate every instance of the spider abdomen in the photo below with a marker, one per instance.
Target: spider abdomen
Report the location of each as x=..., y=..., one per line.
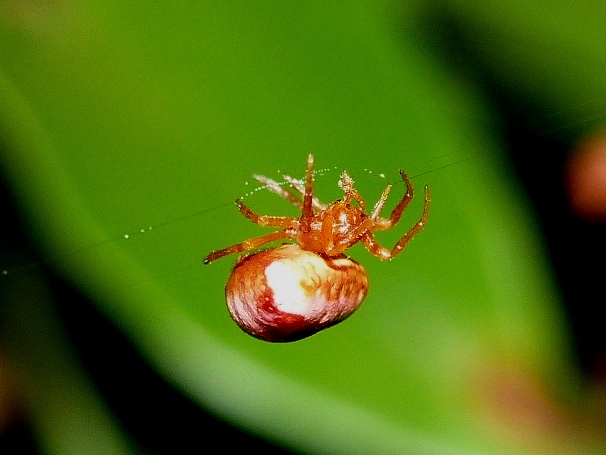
x=287, y=293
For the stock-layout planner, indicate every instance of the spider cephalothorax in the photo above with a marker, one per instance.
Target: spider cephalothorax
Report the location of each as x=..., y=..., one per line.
x=293, y=291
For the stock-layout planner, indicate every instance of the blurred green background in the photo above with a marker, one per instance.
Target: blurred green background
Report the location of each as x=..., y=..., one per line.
x=126, y=132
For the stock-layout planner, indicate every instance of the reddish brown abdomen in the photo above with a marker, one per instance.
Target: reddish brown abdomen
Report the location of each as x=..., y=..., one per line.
x=286, y=293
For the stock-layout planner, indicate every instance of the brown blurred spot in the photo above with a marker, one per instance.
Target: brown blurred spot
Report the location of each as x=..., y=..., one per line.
x=520, y=409
x=522, y=405
x=585, y=179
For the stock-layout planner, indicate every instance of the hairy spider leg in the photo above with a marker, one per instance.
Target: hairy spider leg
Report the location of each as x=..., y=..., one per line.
x=267, y=220
x=297, y=185
x=307, y=215
x=376, y=249
x=347, y=184
x=278, y=189
x=333, y=249
x=398, y=247
x=250, y=244
x=387, y=223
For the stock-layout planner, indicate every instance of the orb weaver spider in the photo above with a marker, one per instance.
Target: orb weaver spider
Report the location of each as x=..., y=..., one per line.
x=295, y=290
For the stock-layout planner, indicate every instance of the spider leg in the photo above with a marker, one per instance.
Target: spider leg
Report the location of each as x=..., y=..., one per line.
x=297, y=185
x=398, y=247
x=307, y=214
x=396, y=214
x=354, y=235
x=383, y=253
x=374, y=247
x=275, y=187
x=266, y=220
x=249, y=244
x=347, y=185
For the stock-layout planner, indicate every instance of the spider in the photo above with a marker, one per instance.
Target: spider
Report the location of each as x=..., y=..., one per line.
x=294, y=290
